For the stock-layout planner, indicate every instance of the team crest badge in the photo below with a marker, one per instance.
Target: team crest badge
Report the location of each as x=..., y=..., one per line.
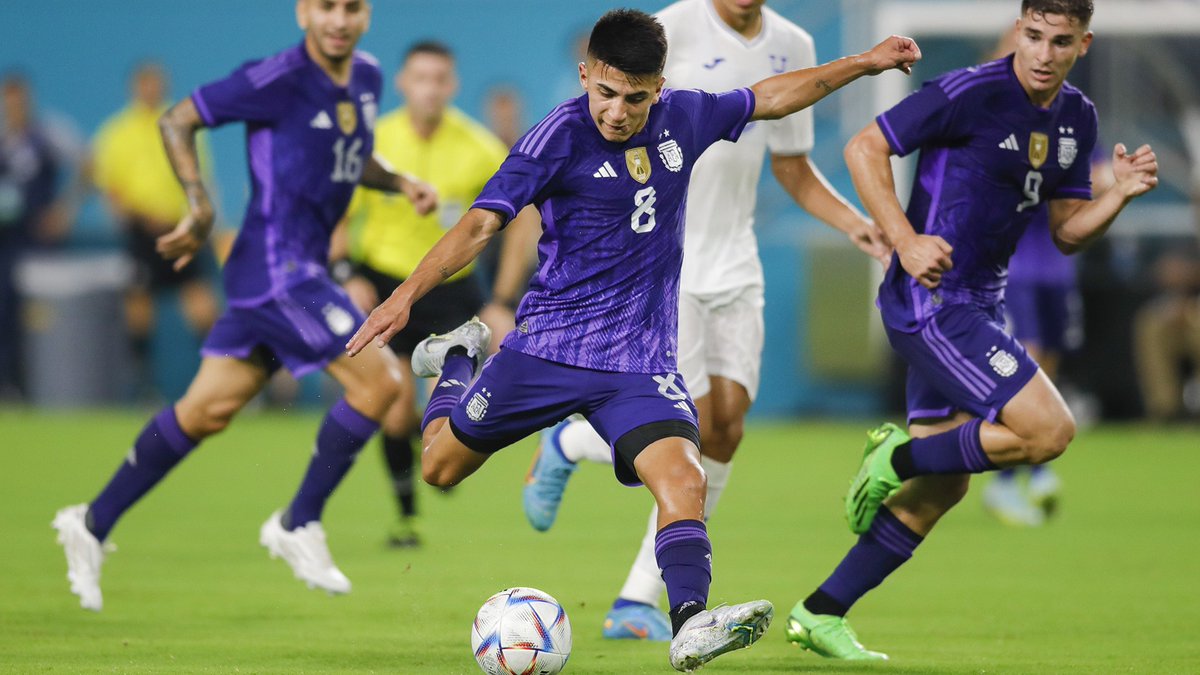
x=671, y=155
x=1039, y=149
x=1003, y=363
x=1067, y=150
x=637, y=160
x=477, y=406
x=347, y=117
x=339, y=320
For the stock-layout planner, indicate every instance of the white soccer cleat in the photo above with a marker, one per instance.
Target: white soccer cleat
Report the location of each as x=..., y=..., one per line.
x=305, y=551
x=714, y=632
x=1004, y=499
x=1044, y=488
x=85, y=555
x=430, y=355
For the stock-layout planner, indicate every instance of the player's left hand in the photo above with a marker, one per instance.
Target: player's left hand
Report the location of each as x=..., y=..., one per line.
x=870, y=240
x=422, y=195
x=895, y=52
x=1135, y=174
x=381, y=326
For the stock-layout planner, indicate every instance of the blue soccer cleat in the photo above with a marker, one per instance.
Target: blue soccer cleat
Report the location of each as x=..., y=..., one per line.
x=637, y=622
x=547, y=480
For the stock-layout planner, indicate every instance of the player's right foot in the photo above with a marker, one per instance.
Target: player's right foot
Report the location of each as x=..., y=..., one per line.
x=1004, y=500
x=827, y=635
x=430, y=354
x=876, y=479
x=637, y=622
x=714, y=632
x=403, y=533
x=1044, y=488
x=547, y=479
x=305, y=551
x=85, y=555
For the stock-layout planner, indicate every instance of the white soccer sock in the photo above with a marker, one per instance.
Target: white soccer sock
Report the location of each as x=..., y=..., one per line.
x=644, y=583
x=579, y=440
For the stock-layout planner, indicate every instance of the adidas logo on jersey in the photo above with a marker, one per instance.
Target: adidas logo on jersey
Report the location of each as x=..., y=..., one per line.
x=605, y=171
x=1010, y=143
x=321, y=121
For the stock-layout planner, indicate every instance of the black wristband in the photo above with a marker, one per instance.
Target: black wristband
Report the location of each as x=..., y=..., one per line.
x=341, y=270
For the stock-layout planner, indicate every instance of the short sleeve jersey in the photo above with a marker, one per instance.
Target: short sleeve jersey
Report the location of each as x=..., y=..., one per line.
x=989, y=161
x=721, y=251
x=605, y=295
x=307, y=141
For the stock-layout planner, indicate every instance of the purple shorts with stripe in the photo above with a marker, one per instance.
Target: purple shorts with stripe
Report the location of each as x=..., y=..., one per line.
x=303, y=329
x=1045, y=315
x=962, y=360
x=517, y=394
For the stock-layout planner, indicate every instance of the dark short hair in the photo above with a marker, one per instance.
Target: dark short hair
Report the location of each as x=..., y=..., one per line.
x=1076, y=9
x=631, y=41
x=428, y=47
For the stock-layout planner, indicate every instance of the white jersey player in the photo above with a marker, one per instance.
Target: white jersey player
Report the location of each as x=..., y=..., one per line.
x=714, y=45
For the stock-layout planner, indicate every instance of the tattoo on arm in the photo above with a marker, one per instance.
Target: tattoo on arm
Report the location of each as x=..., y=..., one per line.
x=445, y=272
x=822, y=84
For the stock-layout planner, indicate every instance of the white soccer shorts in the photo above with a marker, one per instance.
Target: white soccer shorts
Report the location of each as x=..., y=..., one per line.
x=721, y=337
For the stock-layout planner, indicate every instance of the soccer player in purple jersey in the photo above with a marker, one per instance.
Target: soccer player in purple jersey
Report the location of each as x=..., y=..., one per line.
x=596, y=333
x=310, y=114
x=997, y=141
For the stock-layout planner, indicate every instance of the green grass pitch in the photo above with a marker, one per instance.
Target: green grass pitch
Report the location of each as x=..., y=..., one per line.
x=1108, y=587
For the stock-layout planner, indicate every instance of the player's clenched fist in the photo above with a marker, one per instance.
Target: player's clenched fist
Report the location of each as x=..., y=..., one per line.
x=895, y=52
x=925, y=258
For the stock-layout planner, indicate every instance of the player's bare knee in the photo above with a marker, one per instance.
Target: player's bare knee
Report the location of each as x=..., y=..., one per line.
x=437, y=474
x=724, y=439
x=1054, y=441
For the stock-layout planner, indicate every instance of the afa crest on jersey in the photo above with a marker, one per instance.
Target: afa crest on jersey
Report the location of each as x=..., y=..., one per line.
x=671, y=155
x=1039, y=149
x=347, y=117
x=637, y=160
x=1068, y=149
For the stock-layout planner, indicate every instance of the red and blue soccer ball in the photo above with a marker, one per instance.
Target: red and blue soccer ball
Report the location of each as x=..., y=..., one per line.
x=521, y=631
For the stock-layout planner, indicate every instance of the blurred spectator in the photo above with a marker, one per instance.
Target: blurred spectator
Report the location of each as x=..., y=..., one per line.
x=41, y=185
x=132, y=170
x=1167, y=335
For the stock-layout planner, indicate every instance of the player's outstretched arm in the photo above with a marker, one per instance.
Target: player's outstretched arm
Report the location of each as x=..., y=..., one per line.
x=1075, y=223
x=868, y=156
x=785, y=94
x=379, y=175
x=178, y=127
x=453, y=251
x=808, y=187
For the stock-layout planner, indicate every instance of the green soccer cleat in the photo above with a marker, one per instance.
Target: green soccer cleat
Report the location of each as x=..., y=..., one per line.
x=876, y=479
x=827, y=635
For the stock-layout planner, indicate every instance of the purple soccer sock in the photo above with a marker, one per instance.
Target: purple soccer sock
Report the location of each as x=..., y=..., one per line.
x=457, y=373
x=344, y=432
x=879, y=552
x=160, y=446
x=684, y=555
x=956, y=451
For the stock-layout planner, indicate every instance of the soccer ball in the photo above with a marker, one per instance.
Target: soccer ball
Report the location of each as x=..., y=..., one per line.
x=521, y=631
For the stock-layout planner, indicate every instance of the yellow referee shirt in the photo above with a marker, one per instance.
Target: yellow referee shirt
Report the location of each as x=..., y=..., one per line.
x=131, y=165
x=386, y=232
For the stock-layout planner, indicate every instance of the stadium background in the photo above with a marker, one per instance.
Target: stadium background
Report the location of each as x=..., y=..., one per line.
x=824, y=345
